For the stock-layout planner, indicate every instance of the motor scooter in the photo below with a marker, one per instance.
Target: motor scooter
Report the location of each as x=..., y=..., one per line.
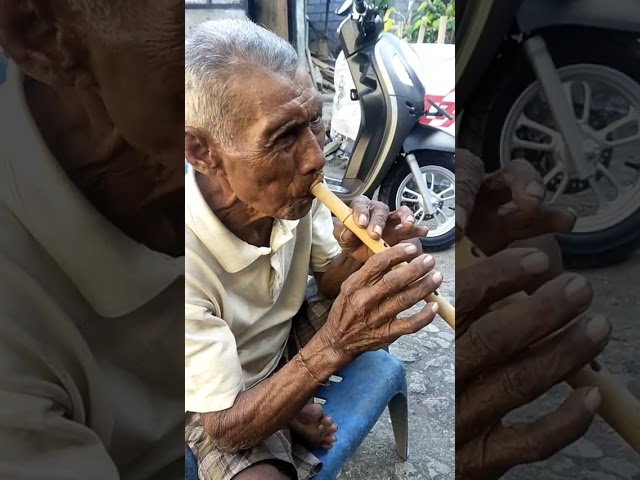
x=396, y=154
x=557, y=82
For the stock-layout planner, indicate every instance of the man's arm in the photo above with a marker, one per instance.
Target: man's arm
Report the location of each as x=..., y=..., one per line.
x=340, y=268
x=233, y=418
x=266, y=408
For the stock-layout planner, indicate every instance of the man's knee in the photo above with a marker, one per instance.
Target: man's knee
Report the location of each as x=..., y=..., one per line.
x=271, y=470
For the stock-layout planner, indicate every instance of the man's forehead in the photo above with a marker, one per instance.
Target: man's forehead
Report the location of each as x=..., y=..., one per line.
x=274, y=93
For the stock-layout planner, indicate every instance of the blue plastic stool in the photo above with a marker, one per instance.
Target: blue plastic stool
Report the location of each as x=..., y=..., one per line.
x=369, y=384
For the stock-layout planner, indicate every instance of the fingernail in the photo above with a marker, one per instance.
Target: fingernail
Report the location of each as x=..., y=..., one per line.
x=411, y=249
x=535, y=189
x=507, y=208
x=437, y=277
x=434, y=307
x=377, y=229
x=576, y=289
x=572, y=211
x=535, y=263
x=598, y=328
x=321, y=428
x=363, y=220
x=399, y=227
x=410, y=219
x=427, y=259
x=461, y=218
x=592, y=400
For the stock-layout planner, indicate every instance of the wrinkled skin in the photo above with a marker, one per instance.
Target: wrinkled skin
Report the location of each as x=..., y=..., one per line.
x=277, y=153
x=505, y=357
x=109, y=106
x=263, y=176
x=275, y=158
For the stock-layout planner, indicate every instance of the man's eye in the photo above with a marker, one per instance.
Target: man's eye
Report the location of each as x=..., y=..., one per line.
x=316, y=121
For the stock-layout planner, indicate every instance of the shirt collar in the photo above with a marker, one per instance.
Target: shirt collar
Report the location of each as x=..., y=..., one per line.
x=232, y=253
x=114, y=273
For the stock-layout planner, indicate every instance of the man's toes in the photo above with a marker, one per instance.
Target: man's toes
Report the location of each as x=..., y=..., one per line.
x=310, y=414
x=329, y=438
x=326, y=421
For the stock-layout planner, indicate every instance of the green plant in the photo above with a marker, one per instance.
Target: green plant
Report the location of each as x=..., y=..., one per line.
x=427, y=17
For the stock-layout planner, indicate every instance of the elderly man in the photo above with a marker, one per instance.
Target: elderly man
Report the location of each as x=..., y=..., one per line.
x=91, y=267
x=255, y=349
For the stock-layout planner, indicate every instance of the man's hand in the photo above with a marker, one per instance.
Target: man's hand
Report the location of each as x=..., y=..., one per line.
x=509, y=357
x=394, y=227
x=505, y=206
x=364, y=316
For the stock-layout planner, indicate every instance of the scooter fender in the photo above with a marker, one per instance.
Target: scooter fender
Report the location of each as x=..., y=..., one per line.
x=617, y=15
x=426, y=137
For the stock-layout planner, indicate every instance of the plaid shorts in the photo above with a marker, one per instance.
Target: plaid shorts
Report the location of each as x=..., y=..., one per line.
x=216, y=465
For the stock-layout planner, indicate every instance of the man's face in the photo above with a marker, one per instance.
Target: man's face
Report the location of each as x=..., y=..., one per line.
x=278, y=144
x=141, y=79
x=131, y=80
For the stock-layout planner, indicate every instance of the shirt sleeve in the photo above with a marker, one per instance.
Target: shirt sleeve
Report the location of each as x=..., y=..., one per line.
x=44, y=430
x=324, y=247
x=213, y=373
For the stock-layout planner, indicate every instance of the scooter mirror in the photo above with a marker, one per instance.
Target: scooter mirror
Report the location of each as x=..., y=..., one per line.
x=344, y=10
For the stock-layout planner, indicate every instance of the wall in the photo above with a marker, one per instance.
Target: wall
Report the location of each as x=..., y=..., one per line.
x=211, y=9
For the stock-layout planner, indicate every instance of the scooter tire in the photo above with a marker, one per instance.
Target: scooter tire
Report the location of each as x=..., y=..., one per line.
x=484, y=117
x=391, y=184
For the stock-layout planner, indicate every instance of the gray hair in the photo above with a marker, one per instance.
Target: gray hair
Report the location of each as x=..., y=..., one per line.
x=215, y=54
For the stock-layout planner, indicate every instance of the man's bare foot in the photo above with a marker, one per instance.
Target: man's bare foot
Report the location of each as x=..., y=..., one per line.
x=314, y=428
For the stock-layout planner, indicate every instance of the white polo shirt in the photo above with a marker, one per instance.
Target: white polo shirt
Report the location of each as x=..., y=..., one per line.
x=239, y=298
x=90, y=326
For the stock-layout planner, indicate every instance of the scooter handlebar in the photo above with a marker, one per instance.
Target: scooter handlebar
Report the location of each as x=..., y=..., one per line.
x=361, y=6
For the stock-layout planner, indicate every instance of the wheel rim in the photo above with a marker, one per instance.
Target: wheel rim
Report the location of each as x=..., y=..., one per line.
x=441, y=183
x=605, y=103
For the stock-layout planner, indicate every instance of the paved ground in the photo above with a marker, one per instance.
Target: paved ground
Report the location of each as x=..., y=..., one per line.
x=429, y=357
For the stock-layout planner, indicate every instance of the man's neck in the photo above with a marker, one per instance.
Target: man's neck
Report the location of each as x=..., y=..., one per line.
x=132, y=191
x=245, y=223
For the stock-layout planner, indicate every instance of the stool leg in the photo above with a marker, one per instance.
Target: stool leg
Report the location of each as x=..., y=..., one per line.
x=398, y=411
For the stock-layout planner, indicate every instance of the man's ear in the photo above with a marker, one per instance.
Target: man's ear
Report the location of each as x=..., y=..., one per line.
x=39, y=35
x=199, y=151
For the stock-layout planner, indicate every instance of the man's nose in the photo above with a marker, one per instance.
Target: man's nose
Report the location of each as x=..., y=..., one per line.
x=311, y=155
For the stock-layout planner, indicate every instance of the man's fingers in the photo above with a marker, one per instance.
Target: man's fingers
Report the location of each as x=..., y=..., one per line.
x=469, y=178
x=414, y=323
x=547, y=220
x=361, y=206
x=401, y=218
x=380, y=263
x=503, y=334
x=379, y=213
x=395, y=303
x=530, y=376
x=494, y=278
x=347, y=240
x=546, y=436
x=399, y=279
x=517, y=186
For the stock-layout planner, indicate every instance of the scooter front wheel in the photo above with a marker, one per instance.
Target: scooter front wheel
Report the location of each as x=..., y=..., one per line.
x=400, y=188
